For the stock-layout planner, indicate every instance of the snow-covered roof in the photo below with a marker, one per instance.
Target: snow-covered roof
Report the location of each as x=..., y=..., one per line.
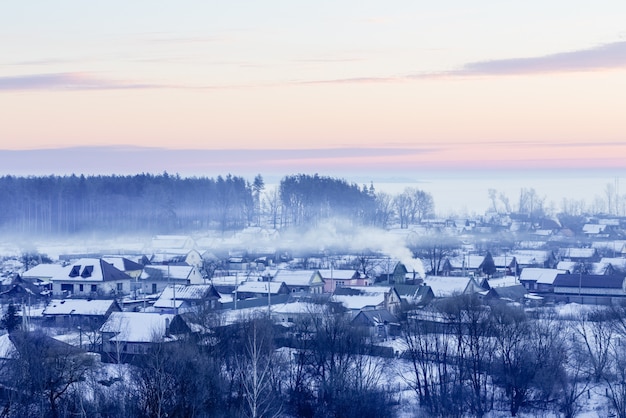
x=7, y=348
x=445, y=286
x=164, y=272
x=469, y=261
x=617, y=246
x=96, y=307
x=338, y=274
x=90, y=270
x=137, y=327
x=358, y=297
x=43, y=271
x=502, y=281
x=194, y=292
x=593, y=228
x=541, y=275
x=577, y=252
x=295, y=277
x=123, y=264
x=616, y=262
x=529, y=257
x=566, y=265
x=295, y=308
x=259, y=287
x=188, y=292
x=356, y=302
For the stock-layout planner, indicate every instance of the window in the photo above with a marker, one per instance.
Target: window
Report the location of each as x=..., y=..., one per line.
x=120, y=287
x=75, y=271
x=94, y=288
x=80, y=287
x=154, y=288
x=69, y=288
x=87, y=271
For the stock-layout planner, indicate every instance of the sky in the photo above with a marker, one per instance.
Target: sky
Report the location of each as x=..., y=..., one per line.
x=325, y=86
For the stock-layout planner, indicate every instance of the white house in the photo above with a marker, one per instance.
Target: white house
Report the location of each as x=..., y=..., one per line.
x=90, y=277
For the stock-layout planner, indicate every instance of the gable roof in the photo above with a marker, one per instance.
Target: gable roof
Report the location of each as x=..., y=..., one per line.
x=615, y=281
x=375, y=317
x=193, y=292
x=137, y=327
x=540, y=275
x=86, y=307
x=358, y=297
x=163, y=272
x=298, y=277
x=43, y=271
x=530, y=257
x=577, y=252
x=123, y=263
x=90, y=269
x=513, y=293
x=260, y=287
x=339, y=274
x=593, y=229
x=445, y=286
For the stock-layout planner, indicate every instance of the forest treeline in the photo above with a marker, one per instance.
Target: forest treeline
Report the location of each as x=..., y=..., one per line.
x=171, y=203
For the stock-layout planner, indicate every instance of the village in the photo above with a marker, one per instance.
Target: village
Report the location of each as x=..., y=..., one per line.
x=122, y=302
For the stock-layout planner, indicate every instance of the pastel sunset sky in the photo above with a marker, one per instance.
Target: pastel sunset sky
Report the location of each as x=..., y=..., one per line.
x=305, y=86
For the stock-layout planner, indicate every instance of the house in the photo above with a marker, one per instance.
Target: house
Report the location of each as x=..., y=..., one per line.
x=408, y=273
x=601, y=267
x=127, y=334
x=618, y=264
x=42, y=274
x=132, y=268
x=539, y=280
x=588, y=288
x=288, y=313
x=84, y=312
x=535, y=258
x=20, y=290
x=587, y=255
x=187, y=298
x=515, y=293
x=506, y=265
x=452, y=286
x=489, y=283
x=90, y=277
x=173, y=249
x=355, y=298
x=334, y=278
x=595, y=230
x=155, y=278
x=258, y=289
x=414, y=295
x=462, y=265
x=612, y=248
x=301, y=281
x=379, y=323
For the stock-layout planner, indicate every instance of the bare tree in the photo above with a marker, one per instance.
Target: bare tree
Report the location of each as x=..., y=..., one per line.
x=433, y=375
x=43, y=371
x=593, y=334
x=256, y=366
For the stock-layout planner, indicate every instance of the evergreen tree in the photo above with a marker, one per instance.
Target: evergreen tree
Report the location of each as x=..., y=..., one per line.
x=10, y=320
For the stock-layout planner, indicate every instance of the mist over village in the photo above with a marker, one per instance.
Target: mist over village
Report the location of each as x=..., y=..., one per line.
x=148, y=295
